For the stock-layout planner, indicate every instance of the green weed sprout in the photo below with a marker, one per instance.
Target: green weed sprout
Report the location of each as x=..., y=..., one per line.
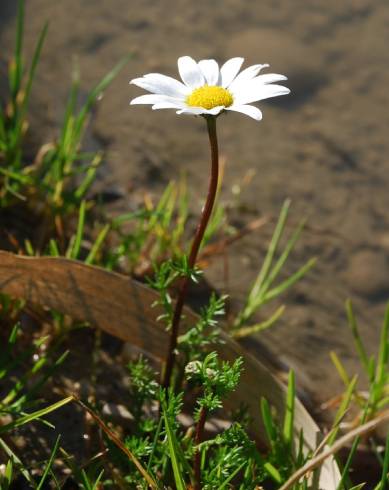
x=61, y=163
x=264, y=290
x=13, y=122
x=58, y=180
x=155, y=232
x=375, y=367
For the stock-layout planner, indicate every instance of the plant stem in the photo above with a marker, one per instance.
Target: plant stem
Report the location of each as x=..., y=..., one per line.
x=197, y=455
x=198, y=238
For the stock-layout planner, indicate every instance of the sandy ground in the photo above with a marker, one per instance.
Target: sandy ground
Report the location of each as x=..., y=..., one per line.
x=325, y=146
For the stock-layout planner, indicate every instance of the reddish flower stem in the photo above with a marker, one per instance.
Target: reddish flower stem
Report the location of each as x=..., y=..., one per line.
x=197, y=454
x=205, y=215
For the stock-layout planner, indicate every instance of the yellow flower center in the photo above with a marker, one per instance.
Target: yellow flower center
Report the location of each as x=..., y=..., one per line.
x=210, y=96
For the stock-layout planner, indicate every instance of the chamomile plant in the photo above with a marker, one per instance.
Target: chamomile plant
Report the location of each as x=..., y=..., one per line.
x=206, y=90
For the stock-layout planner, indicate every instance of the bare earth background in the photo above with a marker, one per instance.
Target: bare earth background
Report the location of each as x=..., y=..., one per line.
x=325, y=146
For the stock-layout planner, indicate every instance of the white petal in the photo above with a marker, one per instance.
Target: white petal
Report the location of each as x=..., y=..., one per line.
x=161, y=84
x=252, y=92
x=201, y=110
x=210, y=70
x=247, y=74
x=270, y=78
x=196, y=111
x=229, y=70
x=249, y=110
x=190, y=72
x=150, y=99
x=215, y=110
x=169, y=105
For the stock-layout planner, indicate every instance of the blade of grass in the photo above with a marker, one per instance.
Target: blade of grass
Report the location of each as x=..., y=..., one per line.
x=95, y=94
x=16, y=461
x=259, y=327
x=76, y=247
x=183, y=206
x=115, y=439
x=85, y=480
x=172, y=442
x=34, y=64
x=272, y=472
x=155, y=442
x=21, y=383
x=330, y=451
x=270, y=253
x=22, y=178
x=13, y=335
x=36, y=386
x=29, y=248
x=168, y=211
x=342, y=409
x=135, y=215
x=69, y=110
x=340, y=368
x=233, y=474
x=289, y=410
x=35, y=415
x=382, y=360
x=357, y=339
x=383, y=402
x=215, y=223
x=283, y=257
x=160, y=208
x=385, y=468
x=97, y=481
x=3, y=145
x=16, y=69
x=89, y=177
x=53, y=248
x=49, y=463
x=273, y=293
x=268, y=423
x=97, y=244
x=6, y=480
x=19, y=359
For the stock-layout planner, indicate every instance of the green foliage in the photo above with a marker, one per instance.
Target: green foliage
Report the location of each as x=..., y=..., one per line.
x=370, y=402
x=230, y=454
x=24, y=372
x=154, y=233
x=17, y=395
x=175, y=451
x=286, y=450
x=205, y=332
x=156, y=230
x=375, y=367
x=164, y=277
x=13, y=123
x=143, y=387
x=65, y=173
x=57, y=181
x=217, y=380
x=263, y=290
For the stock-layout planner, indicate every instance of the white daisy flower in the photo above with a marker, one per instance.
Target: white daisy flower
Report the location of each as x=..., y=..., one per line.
x=207, y=90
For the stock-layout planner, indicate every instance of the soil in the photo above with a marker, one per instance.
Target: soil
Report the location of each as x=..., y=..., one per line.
x=325, y=146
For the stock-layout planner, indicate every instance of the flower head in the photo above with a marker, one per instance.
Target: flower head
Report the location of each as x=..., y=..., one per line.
x=207, y=90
